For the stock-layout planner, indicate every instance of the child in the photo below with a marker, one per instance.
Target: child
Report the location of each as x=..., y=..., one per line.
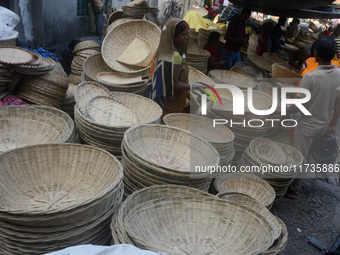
x=213, y=40
x=264, y=41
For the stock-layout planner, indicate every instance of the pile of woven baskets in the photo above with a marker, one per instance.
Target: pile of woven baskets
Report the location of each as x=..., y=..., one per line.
x=197, y=58
x=24, y=61
x=278, y=161
x=102, y=117
x=127, y=52
x=245, y=184
x=159, y=154
x=68, y=103
x=219, y=136
x=138, y=8
x=242, y=229
x=48, y=89
x=57, y=195
x=244, y=133
x=30, y=125
x=230, y=77
x=81, y=52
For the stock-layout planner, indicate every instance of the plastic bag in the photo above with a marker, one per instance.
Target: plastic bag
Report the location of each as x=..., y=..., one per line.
x=8, y=21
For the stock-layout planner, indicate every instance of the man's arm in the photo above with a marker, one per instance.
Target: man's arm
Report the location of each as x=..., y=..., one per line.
x=336, y=113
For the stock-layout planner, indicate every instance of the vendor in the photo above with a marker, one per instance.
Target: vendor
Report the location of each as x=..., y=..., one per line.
x=169, y=69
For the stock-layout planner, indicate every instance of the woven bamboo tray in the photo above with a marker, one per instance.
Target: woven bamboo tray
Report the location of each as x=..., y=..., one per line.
x=110, y=137
x=118, y=39
x=247, y=184
x=246, y=201
x=260, y=62
x=13, y=55
x=44, y=66
x=95, y=65
x=177, y=150
x=229, y=235
x=156, y=192
x=138, y=12
x=29, y=125
x=66, y=214
x=230, y=77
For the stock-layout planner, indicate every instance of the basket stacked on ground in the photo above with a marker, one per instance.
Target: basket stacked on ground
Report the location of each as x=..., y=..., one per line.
x=68, y=103
x=182, y=222
x=125, y=37
x=138, y=12
x=220, y=136
x=260, y=62
x=81, y=52
x=230, y=77
x=197, y=58
x=30, y=125
x=48, y=89
x=246, y=132
x=252, y=44
x=109, y=135
x=286, y=74
x=246, y=201
x=246, y=184
x=280, y=160
x=95, y=66
x=57, y=195
x=159, y=154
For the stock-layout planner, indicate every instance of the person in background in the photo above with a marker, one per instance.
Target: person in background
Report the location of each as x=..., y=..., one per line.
x=235, y=38
x=264, y=41
x=322, y=84
x=292, y=28
x=275, y=35
x=311, y=64
x=213, y=40
x=169, y=70
x=223, y=4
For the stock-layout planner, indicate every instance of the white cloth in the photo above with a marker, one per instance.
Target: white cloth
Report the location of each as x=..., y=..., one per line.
x=8, y=21
x=119, y=249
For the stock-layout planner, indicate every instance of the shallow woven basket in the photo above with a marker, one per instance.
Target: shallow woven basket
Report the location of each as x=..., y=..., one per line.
x=197, y=76
x=247, y=184
x=267, y=87
x=200, y=126
x=284, y=71
x=249, y=71
x=85, y=91
x=156, y=192
x=117, y=23
x=267, y=151
x=63, y=197
x=279, y=244
x=106, y=111
x=246, y=201
x=89, y=44
x=11, y=41
x=230, y=77
x=273, y=57
x=239, y=231
x=70, y=172
x=170, y=148
x=293, y=156
x=119, y=38
x=116, y=15
x=14, y=55
x=138, y=12
x=260, y=62
x=115, y=78
x=29, y=125
x=261, y=101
